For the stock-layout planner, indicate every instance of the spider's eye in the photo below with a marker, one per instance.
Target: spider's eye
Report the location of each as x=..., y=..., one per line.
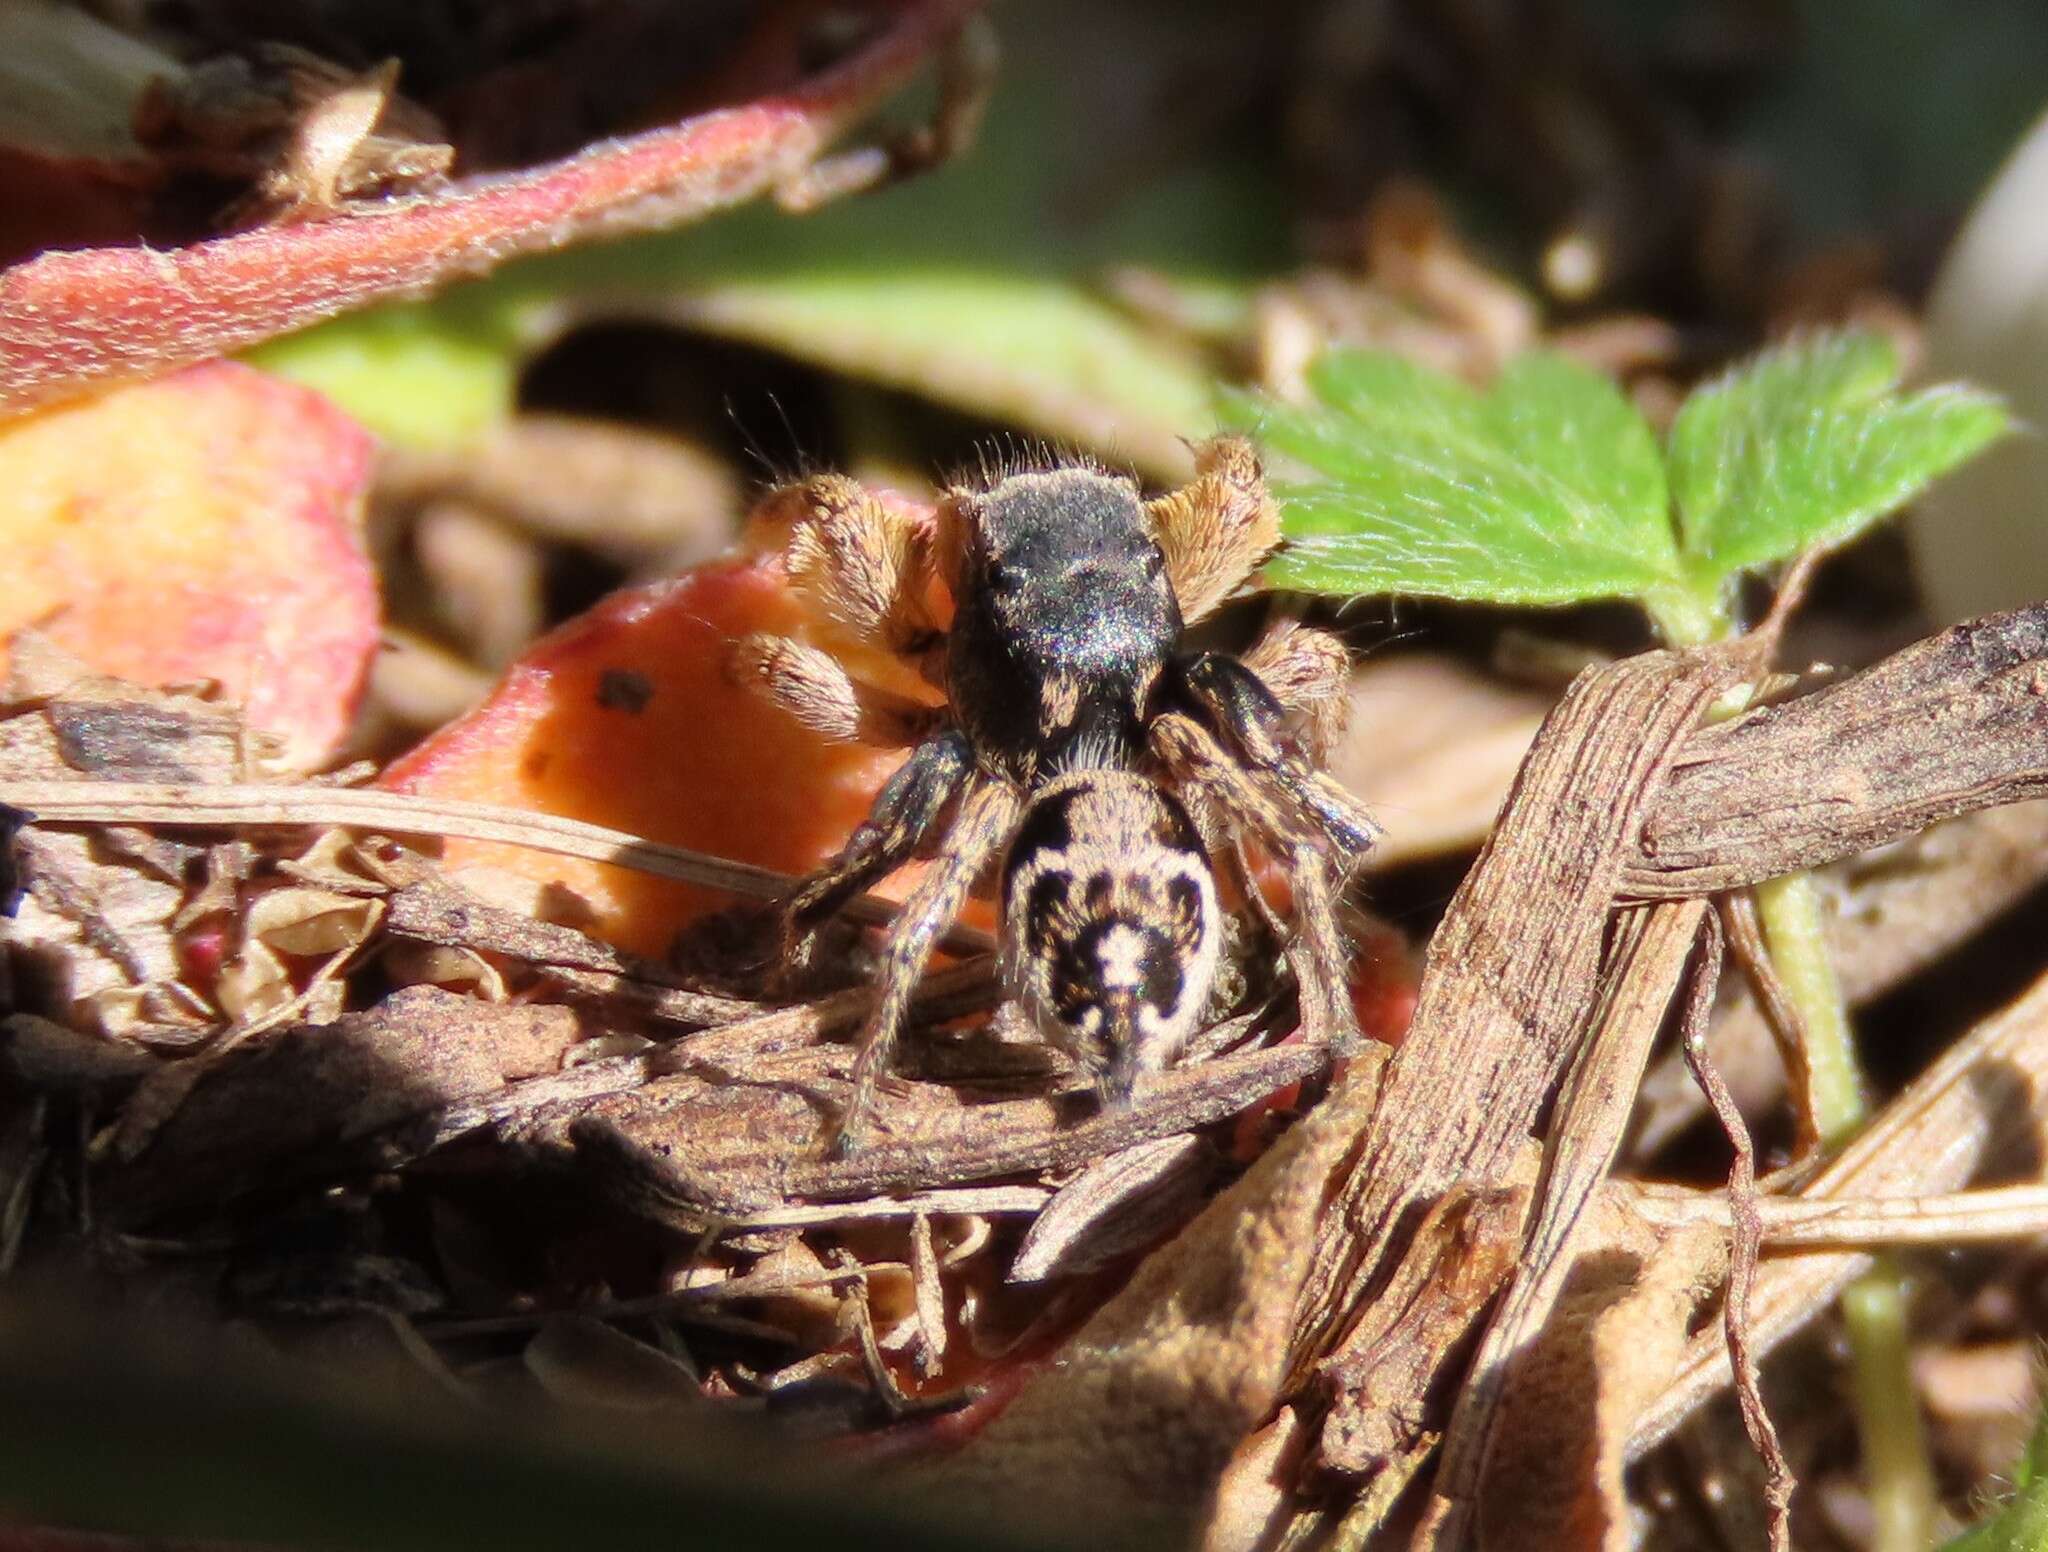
x=1002, y=575
x=1155, y=563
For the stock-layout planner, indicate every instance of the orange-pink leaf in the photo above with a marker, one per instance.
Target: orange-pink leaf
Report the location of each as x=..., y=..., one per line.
x=203, y=526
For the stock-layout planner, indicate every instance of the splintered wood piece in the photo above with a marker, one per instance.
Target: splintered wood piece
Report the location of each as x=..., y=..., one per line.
x=1114, y=1205
x=1900, y=913
x=1953, y=723
x=691, y=1151
x=1652, y=949
x=1510, y=984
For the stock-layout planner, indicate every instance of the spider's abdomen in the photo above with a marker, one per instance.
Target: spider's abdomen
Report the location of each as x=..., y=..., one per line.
x=1064, y=620
x=1111, y=928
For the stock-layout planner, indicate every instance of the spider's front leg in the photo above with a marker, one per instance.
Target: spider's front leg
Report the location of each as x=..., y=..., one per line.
x=988, y=815
x=817, y=691
x=1245, y=714
x=1219, y=782
x=1309, y=673
x=904, y=813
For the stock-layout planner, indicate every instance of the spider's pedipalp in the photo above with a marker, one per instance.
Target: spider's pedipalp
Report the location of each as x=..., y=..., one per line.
x=1309, y=673
x=1203, y=767
x=904, y=812
x=814, y=687
x=1218, y=528
x=862, y=561
x=988, y=813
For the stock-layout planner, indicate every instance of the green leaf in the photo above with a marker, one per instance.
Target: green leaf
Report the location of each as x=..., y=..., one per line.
x=1807, y=446
x=2020, y=1524
x=1546, y=490
x=1577, y=426
x=1037, y=350
x=433, y=377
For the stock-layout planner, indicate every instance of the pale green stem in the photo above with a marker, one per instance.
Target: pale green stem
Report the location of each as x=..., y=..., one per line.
x=1897, y=1467
x=1899, y=1475
x=1790, y=911
x=1895, y=1458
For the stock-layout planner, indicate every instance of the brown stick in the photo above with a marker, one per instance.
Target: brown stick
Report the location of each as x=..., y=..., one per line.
x=1744, y=1246
x=1953, y=723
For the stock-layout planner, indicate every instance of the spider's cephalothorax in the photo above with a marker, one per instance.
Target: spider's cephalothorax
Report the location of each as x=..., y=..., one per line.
x=1064, y=619
x=1079, y=742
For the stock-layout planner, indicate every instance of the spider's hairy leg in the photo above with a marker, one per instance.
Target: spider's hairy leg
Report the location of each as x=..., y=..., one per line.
x=1309, y=673
x=1228, y=844
x=1245, y=714
x=1215, y=530
x=861, y=561
x=1206, y=770
x=904, y=812
x=988, y=814
x=814, y=687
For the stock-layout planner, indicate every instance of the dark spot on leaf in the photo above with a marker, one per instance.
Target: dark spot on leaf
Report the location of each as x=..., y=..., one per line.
x=622, y=689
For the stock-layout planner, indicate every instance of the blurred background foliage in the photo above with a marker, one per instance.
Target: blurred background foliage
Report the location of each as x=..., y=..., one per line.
x=1216, y=147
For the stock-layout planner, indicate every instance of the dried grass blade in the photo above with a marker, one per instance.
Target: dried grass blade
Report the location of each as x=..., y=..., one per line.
x=1948, y=1218
x=1983, y=1100
x=1743, y=1248
x=398, y=813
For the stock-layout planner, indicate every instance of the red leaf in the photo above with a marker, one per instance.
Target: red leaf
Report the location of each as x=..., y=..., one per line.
x=71, y=320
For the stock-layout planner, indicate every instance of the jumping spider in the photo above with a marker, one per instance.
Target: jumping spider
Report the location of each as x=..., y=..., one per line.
x=1079, y=742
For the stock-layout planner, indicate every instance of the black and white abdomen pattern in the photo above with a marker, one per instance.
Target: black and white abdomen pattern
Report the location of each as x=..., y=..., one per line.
x=1111, y=928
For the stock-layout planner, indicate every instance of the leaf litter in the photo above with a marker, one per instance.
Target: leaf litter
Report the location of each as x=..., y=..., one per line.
x=1373, y=1291
x=259, y=1012
x=316, y=1045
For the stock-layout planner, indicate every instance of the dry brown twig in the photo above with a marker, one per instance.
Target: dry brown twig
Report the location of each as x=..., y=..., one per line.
x=397, y=813
x=1744, y=1246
